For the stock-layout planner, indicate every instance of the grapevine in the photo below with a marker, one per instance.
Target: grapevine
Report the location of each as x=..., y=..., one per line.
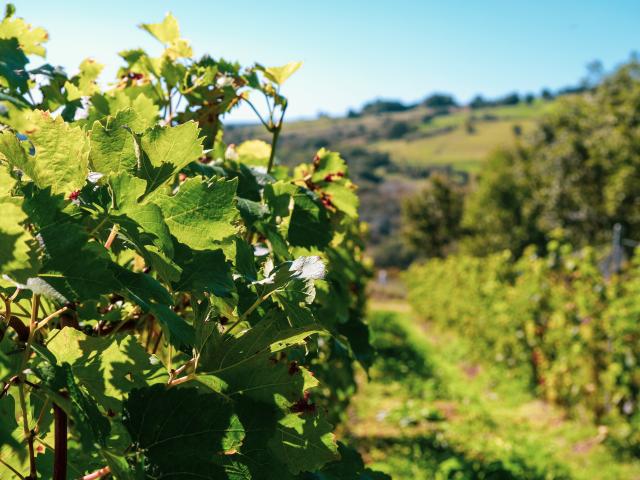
x=172, y=306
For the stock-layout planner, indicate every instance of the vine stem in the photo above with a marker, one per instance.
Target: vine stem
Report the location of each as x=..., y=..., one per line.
x=274, y=143
x=255, y=110
x=55, y=314
x=35, y=304
x=60, y=444
x=97, y=474
x=112, y=236
x=157, y=344
x=276, y=135
x=247, y=312
x=33, y=474
x=181, y=380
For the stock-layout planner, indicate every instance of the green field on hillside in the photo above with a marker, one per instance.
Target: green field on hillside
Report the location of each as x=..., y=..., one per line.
x=462, y=150
x=449, y=143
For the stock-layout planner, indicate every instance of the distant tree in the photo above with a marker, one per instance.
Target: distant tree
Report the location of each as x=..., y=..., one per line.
x=384, y=106
x=365, y=164
x=319, y=143
x=529, y=98
x=572, y=89
x=428, y=118
x=392, y=252
x=479, y=102
x=431, y=218
x=510, y=99
x=440, y=100
x=546, y=94
x=595, y=74
x=398, y=130
x=352, y=113
x=579, y=171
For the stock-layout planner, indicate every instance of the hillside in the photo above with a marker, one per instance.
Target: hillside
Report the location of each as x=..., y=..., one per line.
x=447, y=141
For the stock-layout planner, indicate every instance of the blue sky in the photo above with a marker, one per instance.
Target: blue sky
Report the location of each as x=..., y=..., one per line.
x=356, y=50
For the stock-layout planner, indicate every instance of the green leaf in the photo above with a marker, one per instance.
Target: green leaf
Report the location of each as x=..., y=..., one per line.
x=245, y=261
x=113, y=146
x=74, y=267
x=109, y=368
x=61, y=155
x=89, y=422
x=254, y=153
x=246, y=365
x=30, y=39
x=204, y=271
x=147, y=292
x=278, y=197
x=179, y=145
x=179, y=48
x=9, y=423
x=304, y=442
x=330, y=172
x=343, y=197
x=349, y=466
x=84, y=84
x=13, y=62
x=168, y=150
x=328, y=163
x=201, y=213
x=280, y=74
x=166, y=31
x=182, y=430
x=143, y=225
x=17, y=247
x=309, y=226
x=297, y=276
x=80, y=275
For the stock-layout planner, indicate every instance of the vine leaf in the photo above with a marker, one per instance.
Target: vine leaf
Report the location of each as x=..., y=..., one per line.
x=309, y=226
x=246, y=365
x=13, y=61
x=204, y=271
x=182, y=430
x=112, y=145
x=60, y=385
x=109, y=368
x=167, y=151
x=17, y=247
x=280, y=74
x=152, y=297
x=29, y=38
x=61, y=157
x=330, y=175
x=8, y=424
x=304, y=442
x=201, y=213
x=166, y=31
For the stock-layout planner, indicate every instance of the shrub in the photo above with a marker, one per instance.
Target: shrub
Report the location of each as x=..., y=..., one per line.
x=553, y=319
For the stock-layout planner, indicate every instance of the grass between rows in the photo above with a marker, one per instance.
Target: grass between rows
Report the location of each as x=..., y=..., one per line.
x=426, y=412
